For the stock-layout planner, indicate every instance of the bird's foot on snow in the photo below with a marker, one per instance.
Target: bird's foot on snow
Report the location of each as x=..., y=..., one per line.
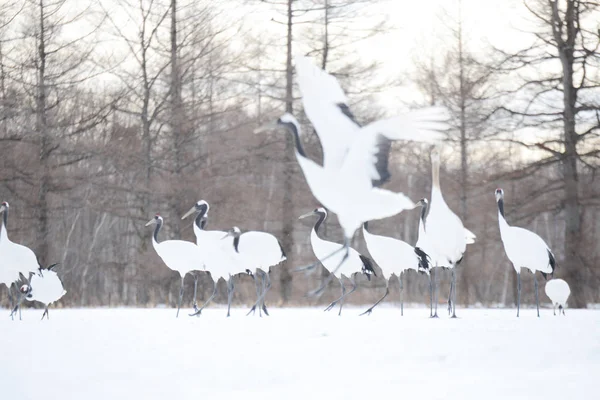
x=368, y=312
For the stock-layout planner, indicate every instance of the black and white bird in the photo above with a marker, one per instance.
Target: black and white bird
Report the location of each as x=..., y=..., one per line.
x=179, y=255
x=353, y=161
x=258, y=251
x=219, y=258
x=558, y=291
x=15, y=259
x=446, y=235
x=356, y=262
x=45, y=287
x=524, y=249
x=395, y=256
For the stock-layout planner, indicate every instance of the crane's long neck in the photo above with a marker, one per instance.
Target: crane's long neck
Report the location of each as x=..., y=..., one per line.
x=322, y=217
x=3, y=233
x=436, y=190
x=295, y=131
x=200, y=220
x=423, y=218
x=236, y=243
x=501, y=219
x=155, y=234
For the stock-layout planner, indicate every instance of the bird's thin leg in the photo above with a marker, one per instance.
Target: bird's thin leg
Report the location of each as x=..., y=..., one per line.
x=45, y=314
x=11, y=301
x=435, y=294
x=537, y=300
x=230, y=288
x=212, y=296
x=387, y=291
x=256, y=286
x=554, y=309
x=563, y=310
x=180, y=297
x=266, y=289
x=323, y=286
x=195, y=304
x=431, y=294
x=343, y=295
x=453, y=292
x=333, y=303
x=18, y=305
x=518, y=292
x=401, y=294
x=353, y=282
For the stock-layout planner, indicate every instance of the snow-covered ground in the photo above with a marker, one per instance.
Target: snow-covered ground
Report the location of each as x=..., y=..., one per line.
x=89, y=354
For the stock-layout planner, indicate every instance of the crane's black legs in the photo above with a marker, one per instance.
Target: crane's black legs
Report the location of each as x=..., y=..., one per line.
x=537, y=299
x=452, y=304
x=180, y=297
x=435, y=293
x=561, y=308
x=230, y=289
x=554, y=309
x=343, y=296
x=212, y=296
x=195, y=291
x=266, y=288
x=401, y=294
x=323, y=286
x=518, y=292
x=46, y=314
x=11, y=301
x=387, y=291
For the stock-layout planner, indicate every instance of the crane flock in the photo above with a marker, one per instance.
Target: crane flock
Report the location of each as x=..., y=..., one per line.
x=355, y=165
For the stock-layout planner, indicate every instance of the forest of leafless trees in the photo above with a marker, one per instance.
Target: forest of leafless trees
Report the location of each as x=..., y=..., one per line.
x=112, y=111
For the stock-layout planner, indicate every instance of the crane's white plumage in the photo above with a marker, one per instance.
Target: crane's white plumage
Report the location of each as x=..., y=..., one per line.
x=394, y=256
x=352, y=156
x=524, y=249
x=218, y=259
x=179, y=255
x=558, y=291
x=445, y=232
x=15, y=259
x=356, y=262
x=256, y=251
x=45, y=287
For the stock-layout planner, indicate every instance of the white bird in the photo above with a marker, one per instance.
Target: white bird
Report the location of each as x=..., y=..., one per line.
x=356, y=262
x=445, y=232
x=558, y=291
x=353, y=160
x=179, y=255
x=524, y=249
x=395, y=256
x=45, y=286
x=15, y=259
x=259, y=251
x=222, y=262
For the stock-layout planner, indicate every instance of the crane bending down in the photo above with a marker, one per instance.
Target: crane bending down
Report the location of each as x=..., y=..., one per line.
x=179, y=255
x=45, y=286
x=395, y=256
x=356, y=263
x=15, y=259
x=524, y=249
x=354, y=162
x=558, y=291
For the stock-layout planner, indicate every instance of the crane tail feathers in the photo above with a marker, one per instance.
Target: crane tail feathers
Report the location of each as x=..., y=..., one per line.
x=552, y=263
x=367, y=266
x=424, y=260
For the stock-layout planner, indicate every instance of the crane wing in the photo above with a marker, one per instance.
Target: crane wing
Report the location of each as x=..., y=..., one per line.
x=326, y=106
x=424, y=125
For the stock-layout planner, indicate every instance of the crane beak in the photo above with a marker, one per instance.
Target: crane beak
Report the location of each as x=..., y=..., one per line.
x=152, y=221
x=267, y=127
x=226, y=235
x=310, y=214
x=190, y=212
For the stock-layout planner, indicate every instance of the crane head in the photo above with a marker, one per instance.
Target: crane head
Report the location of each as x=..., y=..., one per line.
x=316, y=211
x=25, y=290
x=287, y=121
x=4, y=206
x=499, y=194
x=201, y=207
x=158, y=220
x=235, y=232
